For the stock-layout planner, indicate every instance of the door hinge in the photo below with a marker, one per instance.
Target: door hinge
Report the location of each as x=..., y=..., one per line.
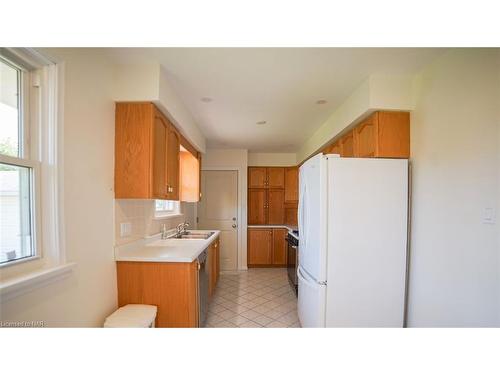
x=197, y=219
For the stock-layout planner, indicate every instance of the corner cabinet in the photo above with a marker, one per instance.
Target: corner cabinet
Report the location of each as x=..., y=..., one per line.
x=147, y=150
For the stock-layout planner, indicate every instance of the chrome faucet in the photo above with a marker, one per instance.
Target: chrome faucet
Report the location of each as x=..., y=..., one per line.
x=181, y=228
x=164, y=235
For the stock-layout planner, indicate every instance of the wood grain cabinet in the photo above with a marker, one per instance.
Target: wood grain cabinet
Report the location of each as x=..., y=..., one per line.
x=257, y=206
x=214, y=264
x=275, y=206
x=291, y=185
x=347, y=145
x=383, y=135
x=172, y=287
x=260, y=243
x=279, y=257
x=257, y=177
x=267, y=247
x=147, y=150
x=266, y=195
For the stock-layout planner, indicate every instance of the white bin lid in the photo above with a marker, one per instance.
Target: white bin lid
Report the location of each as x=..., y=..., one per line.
x=139, y=316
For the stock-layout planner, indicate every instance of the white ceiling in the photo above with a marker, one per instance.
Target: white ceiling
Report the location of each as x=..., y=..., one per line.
x=277, y=85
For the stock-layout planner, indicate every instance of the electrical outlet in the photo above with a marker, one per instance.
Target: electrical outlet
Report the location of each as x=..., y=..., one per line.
x=125, y=229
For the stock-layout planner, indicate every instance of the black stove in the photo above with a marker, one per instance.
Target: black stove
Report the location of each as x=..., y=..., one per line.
x=293, y=259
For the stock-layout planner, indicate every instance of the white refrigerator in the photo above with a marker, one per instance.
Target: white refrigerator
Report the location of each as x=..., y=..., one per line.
x=353, y=219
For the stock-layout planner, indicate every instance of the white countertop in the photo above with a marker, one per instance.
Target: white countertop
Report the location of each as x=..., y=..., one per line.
x=154, y=249
x=290, y=228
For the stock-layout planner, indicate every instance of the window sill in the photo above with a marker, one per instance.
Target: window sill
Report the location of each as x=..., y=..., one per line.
x=34, y=280
x=171, y=216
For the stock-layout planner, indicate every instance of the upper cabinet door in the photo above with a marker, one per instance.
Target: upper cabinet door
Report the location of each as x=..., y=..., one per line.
x=347, y=145
x=133, y=150
x=257, y=206
x=291, y=185
x=366, y=136
x=257, y=177
x=276, y=206
x=173, y=155
x=276, y=177
x=160, y=134
x=393, y=134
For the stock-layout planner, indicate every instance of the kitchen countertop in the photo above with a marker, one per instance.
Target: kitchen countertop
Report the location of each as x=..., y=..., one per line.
x=290, y=228
x=154, y=249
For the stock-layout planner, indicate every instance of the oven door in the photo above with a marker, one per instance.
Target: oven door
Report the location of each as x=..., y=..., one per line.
x=292, y=264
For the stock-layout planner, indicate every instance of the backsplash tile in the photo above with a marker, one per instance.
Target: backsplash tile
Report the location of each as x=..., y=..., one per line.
x=141, y=214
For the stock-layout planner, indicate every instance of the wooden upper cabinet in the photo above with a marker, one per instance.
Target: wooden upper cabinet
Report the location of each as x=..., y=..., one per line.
x=347, y=145
x=365, y=135
x=291, y=185
x=257, y=206
x=159, y=176
x=173, y=164
x=257, y=177
x=393, y=135
x=276, y=177
x=260, y=243
x=147, y=153
x=334, y=148
x=279, y=247
x=383, y=135
x=276, y=206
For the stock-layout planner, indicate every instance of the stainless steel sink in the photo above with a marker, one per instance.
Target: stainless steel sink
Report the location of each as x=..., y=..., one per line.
x=194, y=235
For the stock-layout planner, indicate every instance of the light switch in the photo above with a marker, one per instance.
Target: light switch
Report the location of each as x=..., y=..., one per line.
x=125, y=229
x=489, y=215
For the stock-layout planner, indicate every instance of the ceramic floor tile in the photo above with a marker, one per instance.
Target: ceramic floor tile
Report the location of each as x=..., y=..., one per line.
x=255, y=298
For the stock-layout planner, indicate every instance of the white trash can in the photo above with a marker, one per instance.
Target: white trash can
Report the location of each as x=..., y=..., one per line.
x=132, y=316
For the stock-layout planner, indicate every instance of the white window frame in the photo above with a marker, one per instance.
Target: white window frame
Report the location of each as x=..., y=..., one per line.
x=43, y=138
x=163, y=214
x=26, y=154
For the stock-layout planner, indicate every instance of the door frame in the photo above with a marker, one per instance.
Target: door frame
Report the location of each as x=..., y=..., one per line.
x=241, y=256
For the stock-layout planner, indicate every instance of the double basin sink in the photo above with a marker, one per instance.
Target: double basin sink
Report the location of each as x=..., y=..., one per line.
x=188, y=235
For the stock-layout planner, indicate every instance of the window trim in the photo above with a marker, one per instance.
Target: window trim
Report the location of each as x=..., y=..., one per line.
x=46, y=140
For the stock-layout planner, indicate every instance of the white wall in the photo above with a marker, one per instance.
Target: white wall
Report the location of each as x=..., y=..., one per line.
x=275, y=159
x=377, y=92
x=89, y=294
x=237, y=159
x=455, y=147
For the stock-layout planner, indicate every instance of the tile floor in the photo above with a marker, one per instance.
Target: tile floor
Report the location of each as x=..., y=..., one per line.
x=259, y=297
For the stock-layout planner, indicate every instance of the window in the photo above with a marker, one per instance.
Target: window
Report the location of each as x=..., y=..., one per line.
x=166, y=208
x=17, y=170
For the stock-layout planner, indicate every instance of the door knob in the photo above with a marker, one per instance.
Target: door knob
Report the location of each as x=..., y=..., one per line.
x=234, y=225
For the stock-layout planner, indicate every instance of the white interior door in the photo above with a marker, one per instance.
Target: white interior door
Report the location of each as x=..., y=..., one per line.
x=218, y=209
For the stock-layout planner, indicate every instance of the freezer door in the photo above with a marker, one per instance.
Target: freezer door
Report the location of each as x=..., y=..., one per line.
x=312, y=217
x=367, y=246
x=311, y=301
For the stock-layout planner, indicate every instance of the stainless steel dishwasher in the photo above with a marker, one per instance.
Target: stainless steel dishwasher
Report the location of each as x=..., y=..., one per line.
x=203, y=268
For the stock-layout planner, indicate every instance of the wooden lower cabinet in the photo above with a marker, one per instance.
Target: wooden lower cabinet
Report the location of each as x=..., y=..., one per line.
x=214, y=264
x=260, y=244
x=267, y=247
x=172, y=287
x=279, y=247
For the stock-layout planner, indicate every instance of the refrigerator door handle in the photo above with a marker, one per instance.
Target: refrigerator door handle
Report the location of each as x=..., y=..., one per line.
x=309, y=280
